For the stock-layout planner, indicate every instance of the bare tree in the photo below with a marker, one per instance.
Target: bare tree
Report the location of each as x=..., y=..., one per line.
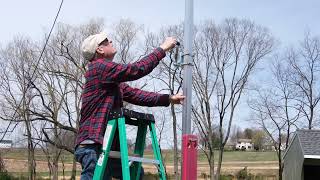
x=66, y=47
x=54, y=97
x=169, y=75
x=276, y=109
x=305, y=64
x=225, y=58
x=16, y=95
x=268, y=114
x=125, y=37
x=44, y=145
x=50, y=91
x=65, y=68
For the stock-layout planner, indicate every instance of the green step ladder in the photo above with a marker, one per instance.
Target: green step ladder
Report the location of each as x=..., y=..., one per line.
x=131, y=165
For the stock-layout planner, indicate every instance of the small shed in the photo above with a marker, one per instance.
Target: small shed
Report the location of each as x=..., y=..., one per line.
x=302, y=157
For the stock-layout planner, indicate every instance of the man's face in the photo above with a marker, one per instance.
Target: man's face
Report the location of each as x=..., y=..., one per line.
x=106, y=49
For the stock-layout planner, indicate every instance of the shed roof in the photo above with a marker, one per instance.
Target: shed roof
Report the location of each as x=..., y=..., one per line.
x=309, y=141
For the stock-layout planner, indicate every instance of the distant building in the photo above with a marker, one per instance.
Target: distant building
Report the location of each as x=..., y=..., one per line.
x=244, y=144
x=302, y=157
x=5, y=144
x=271, y=147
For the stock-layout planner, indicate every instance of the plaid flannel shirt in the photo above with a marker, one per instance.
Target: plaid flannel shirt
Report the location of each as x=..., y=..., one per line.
x=105, y=89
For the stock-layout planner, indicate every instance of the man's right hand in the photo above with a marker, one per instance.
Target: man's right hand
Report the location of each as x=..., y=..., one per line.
x=169, y=43
x=177, y=98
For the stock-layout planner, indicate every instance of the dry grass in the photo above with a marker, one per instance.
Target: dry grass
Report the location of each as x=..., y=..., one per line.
x=257, y=163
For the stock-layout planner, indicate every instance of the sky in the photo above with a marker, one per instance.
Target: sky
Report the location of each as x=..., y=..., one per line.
x=287, y=20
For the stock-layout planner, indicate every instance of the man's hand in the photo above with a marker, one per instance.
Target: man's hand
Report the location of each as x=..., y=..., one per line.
x=169, y=43
x=177, y=98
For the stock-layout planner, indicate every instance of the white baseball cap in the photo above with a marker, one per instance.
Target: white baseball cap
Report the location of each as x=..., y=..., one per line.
x=91, y=43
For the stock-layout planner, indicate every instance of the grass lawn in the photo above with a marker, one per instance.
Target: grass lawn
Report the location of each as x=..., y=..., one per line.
x=44, y=174
x=229, y=156
x=22, y=154
x=244, y=156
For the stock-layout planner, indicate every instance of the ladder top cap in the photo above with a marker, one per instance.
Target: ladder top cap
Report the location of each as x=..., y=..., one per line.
x=130, y=114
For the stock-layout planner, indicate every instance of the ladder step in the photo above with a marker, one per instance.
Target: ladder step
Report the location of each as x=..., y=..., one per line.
x=116, y=154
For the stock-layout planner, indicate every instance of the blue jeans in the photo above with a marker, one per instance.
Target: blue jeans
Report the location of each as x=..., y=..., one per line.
x=88, y=157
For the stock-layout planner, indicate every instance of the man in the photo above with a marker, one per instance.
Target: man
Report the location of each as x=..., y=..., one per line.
x=104, y=90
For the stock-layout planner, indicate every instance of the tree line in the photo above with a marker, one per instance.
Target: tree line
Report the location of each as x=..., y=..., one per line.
x=233, y=61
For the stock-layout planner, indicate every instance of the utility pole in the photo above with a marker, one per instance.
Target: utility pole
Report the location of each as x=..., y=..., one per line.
x=189, y=141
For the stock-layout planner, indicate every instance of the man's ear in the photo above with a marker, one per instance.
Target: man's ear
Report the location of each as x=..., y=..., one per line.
x=99, y=50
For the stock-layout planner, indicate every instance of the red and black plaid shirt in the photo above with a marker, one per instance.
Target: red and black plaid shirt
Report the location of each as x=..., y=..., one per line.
x=105, y=89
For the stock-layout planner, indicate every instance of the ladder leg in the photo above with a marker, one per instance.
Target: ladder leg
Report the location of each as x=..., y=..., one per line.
x=139, y=149
x=103, y=158
x=156, y=151
x=123, y=149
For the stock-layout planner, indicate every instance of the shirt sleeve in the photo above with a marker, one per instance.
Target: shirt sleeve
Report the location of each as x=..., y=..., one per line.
x=114, y=72
x=143, y=98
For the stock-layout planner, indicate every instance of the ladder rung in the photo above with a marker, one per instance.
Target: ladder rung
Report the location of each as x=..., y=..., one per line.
x=116, y=154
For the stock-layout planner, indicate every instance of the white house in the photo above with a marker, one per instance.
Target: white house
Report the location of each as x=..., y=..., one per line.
x=5, y=144
x=244, y=144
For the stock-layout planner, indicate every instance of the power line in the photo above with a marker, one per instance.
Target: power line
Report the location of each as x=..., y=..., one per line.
x=32, y=75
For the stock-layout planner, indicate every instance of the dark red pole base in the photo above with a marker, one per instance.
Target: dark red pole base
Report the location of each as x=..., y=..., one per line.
x=189, y=157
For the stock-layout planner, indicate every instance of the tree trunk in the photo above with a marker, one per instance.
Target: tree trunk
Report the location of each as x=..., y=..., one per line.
x=280, y=171
x=47, y=153
x=55, y=171
x=50, y=168
x=175, y=144
x=311, y=109
x=56, y=157
x=2, y=165
x=74, y=169
x=219, y=162
x=63, y=168
x=55, y=148
x=211, y=165
x=280, y=162
x=31, y=160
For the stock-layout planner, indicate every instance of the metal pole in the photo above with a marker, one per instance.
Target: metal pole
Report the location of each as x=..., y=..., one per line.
x=187, y=68
x=189, y=141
